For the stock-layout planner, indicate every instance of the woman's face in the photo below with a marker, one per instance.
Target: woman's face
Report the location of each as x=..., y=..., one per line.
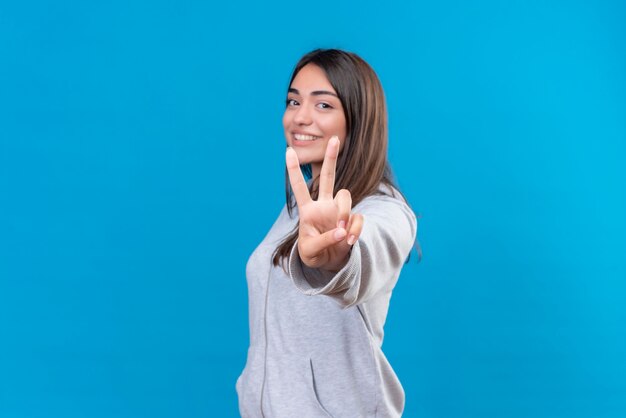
x=313, y=115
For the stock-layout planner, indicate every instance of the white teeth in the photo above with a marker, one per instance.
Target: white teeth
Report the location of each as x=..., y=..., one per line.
x=301, y=137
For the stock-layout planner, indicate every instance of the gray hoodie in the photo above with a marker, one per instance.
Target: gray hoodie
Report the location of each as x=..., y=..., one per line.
x=316, y=337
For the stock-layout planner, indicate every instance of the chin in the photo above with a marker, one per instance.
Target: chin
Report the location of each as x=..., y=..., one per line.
x=306, y=158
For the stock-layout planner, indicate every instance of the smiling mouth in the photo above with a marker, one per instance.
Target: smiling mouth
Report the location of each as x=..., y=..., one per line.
x=301, y=137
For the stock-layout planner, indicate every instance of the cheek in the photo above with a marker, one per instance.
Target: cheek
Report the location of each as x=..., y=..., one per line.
x=339, y=125
x=342, y=126
x=330, y=125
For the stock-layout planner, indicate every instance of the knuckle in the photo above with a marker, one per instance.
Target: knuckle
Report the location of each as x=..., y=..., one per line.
x=343, y=195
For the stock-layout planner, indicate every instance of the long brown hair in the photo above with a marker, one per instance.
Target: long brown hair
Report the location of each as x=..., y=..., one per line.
x=362, y=164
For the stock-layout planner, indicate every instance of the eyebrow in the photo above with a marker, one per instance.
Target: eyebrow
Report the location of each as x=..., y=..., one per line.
x=315, y=93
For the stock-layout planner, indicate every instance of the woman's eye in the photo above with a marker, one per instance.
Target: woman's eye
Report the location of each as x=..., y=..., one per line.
x=325, y=106
x=291, y=102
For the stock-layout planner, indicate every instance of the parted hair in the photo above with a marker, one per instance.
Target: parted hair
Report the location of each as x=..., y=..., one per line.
x=362, y=164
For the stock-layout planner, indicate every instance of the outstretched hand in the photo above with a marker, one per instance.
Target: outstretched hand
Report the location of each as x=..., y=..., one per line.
x=328, y=228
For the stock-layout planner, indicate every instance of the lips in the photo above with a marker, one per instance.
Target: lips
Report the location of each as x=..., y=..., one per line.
x=305, y=137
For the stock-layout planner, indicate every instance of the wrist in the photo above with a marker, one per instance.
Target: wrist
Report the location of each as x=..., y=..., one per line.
x=337, y=266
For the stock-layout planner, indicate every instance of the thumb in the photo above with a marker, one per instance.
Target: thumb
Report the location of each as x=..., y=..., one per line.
x=315, y=245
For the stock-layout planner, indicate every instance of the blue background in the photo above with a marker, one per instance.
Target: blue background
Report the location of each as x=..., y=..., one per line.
x=142, y=161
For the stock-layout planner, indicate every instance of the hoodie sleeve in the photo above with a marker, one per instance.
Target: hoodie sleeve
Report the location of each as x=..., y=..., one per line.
x=389, y=231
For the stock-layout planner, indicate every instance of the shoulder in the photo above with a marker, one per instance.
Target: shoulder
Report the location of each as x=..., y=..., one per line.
x=390, y=191
x=385, y=194
x=386, y=203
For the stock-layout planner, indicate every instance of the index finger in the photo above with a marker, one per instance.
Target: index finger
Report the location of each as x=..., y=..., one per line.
x=327, y=173
x=296, y=179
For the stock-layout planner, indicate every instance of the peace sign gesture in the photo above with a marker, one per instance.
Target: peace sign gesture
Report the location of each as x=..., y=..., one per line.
x=327, y=227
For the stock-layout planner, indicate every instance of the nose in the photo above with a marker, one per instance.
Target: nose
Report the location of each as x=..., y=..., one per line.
x=302, y=116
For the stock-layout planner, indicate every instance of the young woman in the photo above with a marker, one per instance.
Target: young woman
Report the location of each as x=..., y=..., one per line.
x=320, y=282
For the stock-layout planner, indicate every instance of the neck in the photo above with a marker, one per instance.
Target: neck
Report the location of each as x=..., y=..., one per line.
x=315, y=170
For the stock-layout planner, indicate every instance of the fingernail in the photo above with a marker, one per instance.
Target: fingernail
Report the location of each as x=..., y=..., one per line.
x=335, y=138
x=351, y=240
x=340, y=234
x=342, y=224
